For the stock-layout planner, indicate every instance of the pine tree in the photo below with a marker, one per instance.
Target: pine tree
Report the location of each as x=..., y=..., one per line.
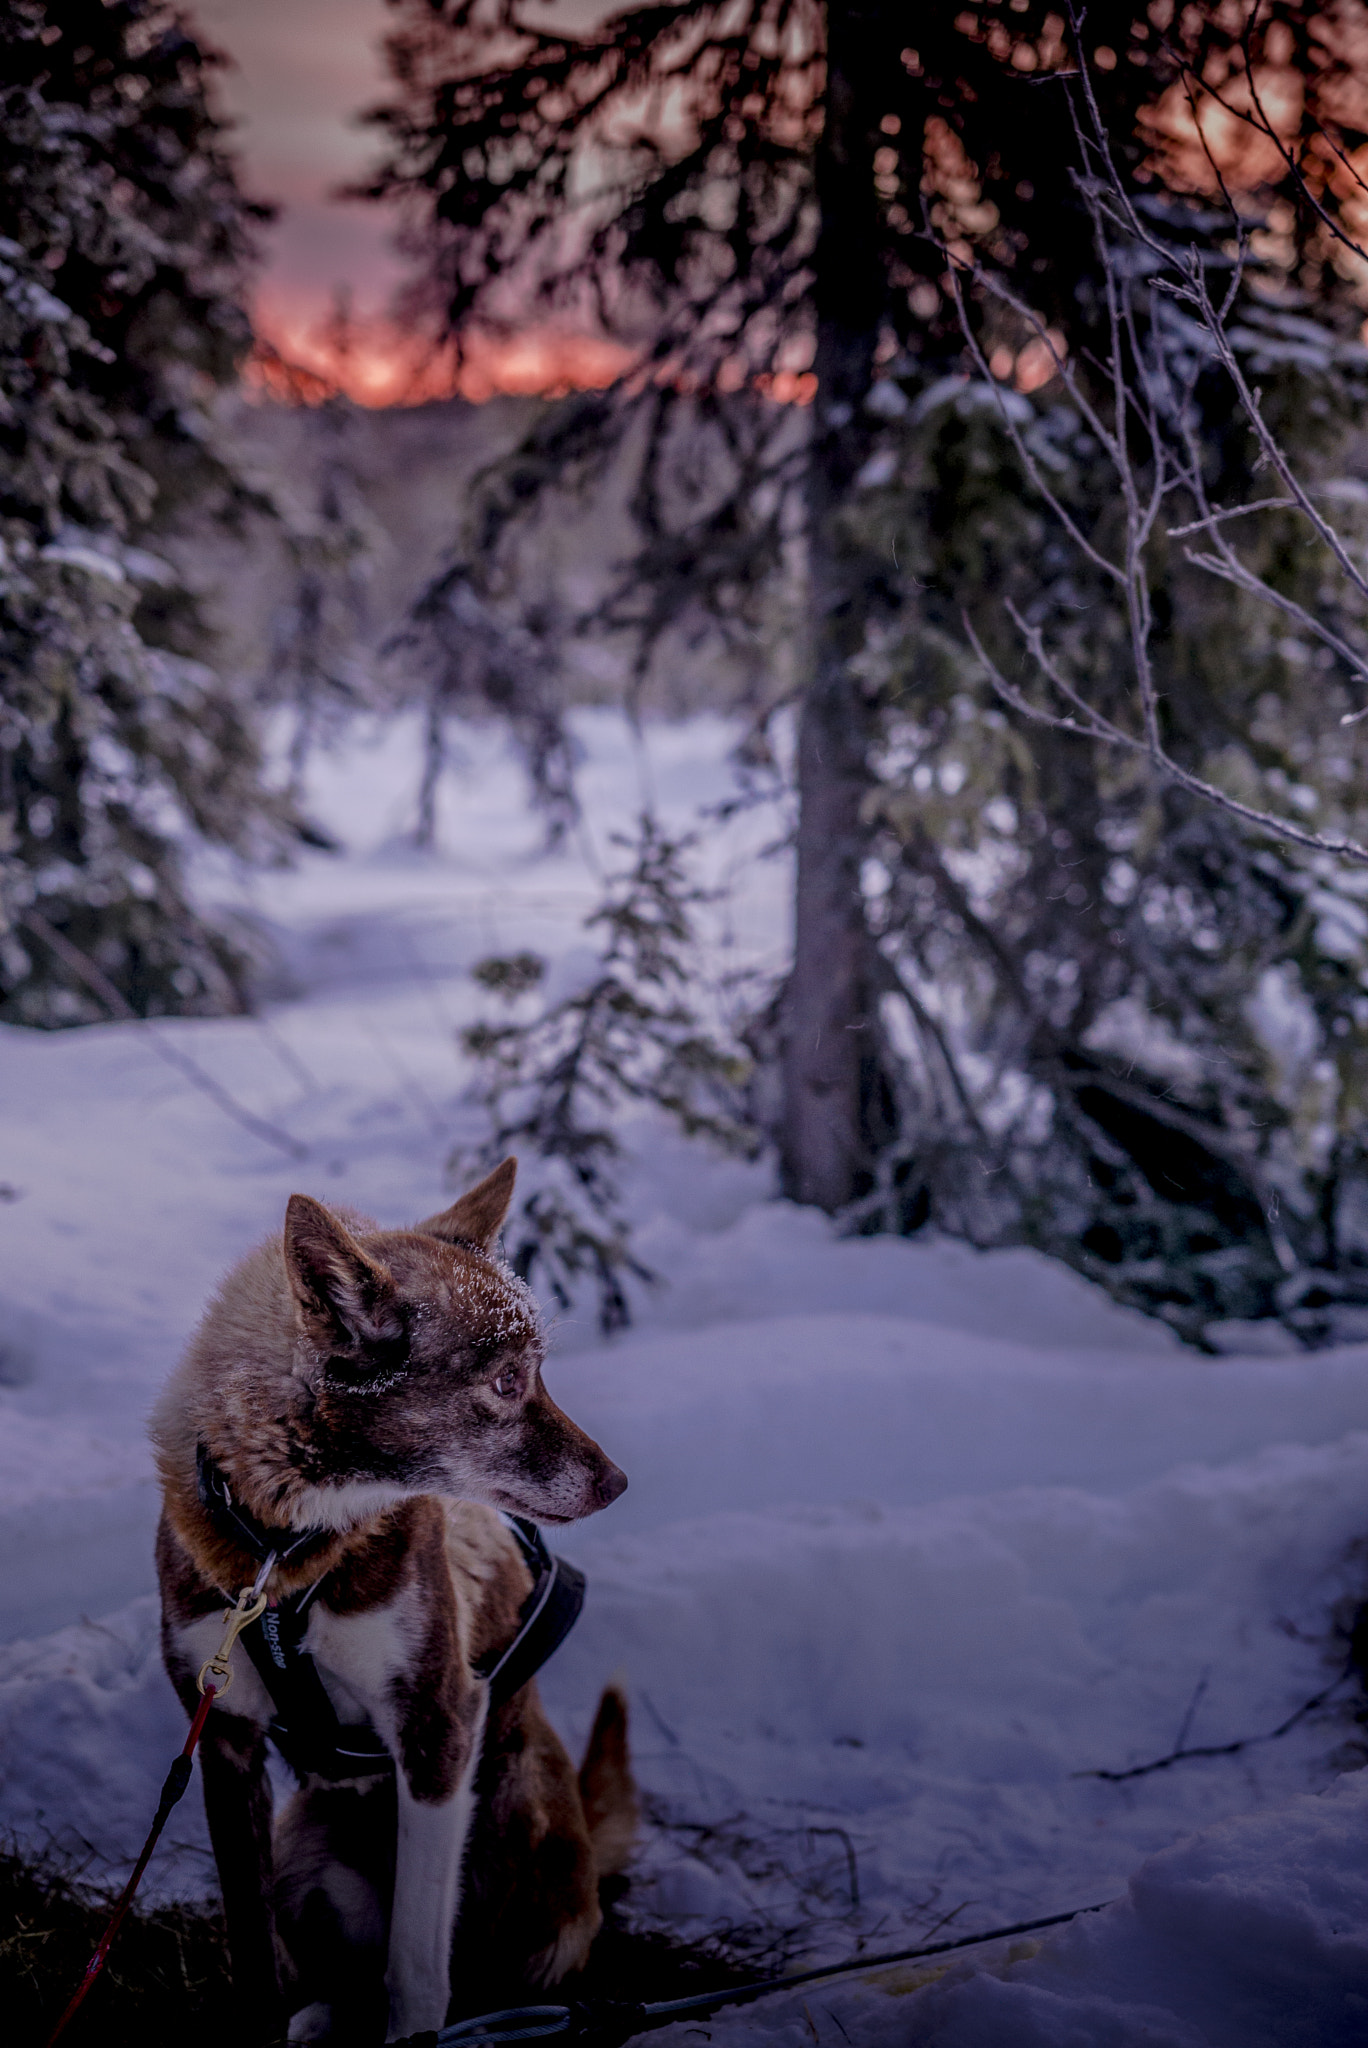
x=1125, y=858
x=738, y=193
x=1133, y=1030
x=124, y=242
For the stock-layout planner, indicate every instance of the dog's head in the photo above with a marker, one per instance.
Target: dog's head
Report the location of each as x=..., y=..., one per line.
x=422, y=1353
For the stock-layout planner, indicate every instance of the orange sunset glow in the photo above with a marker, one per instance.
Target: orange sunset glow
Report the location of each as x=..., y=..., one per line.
x=296, y=81
x=377, y=363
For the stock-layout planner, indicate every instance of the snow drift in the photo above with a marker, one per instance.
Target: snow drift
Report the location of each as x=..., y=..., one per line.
x=916, y=1540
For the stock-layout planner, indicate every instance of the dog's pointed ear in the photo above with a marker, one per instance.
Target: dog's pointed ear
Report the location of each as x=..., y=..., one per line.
x=345, y=1295
x=479, y=1216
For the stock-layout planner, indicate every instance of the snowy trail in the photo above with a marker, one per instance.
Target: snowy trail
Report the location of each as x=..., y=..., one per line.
x=914, y=1536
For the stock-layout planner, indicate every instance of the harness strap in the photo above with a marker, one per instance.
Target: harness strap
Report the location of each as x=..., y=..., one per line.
x=546, y=1618
x=306, y=1728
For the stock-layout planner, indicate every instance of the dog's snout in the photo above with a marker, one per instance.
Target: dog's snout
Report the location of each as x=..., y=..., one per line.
x=612, y=1483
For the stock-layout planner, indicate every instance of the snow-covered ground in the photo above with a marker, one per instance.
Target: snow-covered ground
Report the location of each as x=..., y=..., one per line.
x=916, y=1538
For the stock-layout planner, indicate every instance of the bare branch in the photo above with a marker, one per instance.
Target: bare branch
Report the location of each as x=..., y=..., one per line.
x=1137, y=369
x=1262, y=124
x=1230, y=569
x=1092, y=724
x=1182, y=1753
x=1232, y=512
x=1032, y=467
x=1273, y=451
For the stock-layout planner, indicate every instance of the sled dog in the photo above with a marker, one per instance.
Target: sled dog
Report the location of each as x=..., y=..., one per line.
x=367, y=1406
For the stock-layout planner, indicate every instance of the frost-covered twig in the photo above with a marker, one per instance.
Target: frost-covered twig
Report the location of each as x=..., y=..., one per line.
x=1184, y=1754
x=1092, y=724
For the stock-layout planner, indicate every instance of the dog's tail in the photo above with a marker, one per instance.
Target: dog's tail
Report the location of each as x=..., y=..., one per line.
x=612, y=1804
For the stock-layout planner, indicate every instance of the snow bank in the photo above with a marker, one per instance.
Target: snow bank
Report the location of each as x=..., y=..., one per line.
x=915, y=1535
x=934, y=1680
x=1250, y=1934
x=855, y=1406
x=1253, y=1934
x=88, y=1726
x=929, y=1681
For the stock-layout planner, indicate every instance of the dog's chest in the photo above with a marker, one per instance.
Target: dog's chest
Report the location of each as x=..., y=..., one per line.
x=362, y=1658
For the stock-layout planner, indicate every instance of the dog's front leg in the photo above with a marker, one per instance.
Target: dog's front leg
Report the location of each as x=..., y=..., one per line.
x=237, y=1804
x=436, y=1796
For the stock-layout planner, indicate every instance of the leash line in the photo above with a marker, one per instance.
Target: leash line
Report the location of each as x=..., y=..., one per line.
x=173, y=1790
x=214, y=1679
x=613, y=2021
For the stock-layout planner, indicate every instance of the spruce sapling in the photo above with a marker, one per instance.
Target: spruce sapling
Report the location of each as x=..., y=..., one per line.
x=553, y=1083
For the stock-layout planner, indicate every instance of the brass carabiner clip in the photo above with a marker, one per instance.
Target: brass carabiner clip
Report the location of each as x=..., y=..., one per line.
x=218, y=1671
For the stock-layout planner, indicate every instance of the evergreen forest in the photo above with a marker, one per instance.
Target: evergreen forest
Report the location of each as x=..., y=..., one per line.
x=1001, y=475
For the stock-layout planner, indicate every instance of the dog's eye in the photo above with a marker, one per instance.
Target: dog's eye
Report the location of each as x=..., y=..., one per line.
x=510, y=1382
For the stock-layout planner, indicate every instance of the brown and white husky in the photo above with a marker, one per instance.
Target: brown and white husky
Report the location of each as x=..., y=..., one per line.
x=366, y=1402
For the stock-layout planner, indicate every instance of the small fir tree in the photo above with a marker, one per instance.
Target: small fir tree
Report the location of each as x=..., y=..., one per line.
x=554, y=1082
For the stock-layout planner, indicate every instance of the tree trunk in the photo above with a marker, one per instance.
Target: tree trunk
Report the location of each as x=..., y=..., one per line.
x=834, y=1088
x=434, y=761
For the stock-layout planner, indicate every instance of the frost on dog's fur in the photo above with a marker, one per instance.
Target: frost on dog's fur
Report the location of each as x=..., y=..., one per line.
x=385, y=1386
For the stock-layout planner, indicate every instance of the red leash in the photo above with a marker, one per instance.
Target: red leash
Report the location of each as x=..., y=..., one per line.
x=216, y=1675
x=177, y=1778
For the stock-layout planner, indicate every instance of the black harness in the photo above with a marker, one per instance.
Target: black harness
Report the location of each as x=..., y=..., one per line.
x=305, y=1727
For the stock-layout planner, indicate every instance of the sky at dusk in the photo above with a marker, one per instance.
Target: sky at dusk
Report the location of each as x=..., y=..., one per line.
x=300, y=73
